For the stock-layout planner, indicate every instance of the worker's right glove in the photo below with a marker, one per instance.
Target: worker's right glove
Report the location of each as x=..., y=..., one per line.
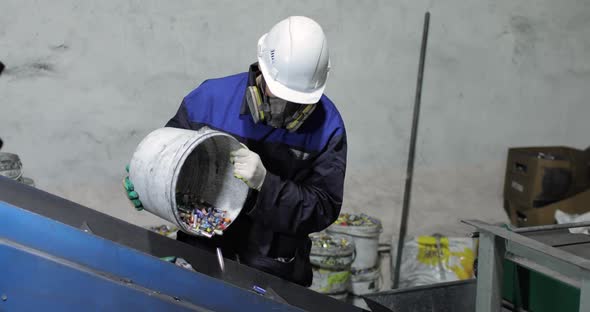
x=248, y=167
x=131, y=193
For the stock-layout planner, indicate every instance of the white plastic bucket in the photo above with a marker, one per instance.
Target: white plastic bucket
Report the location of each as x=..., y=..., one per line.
x=366, y=241
x=10, y=166
x=365, y=281
x=330, y=281
x=328, y=251
x=170, y=160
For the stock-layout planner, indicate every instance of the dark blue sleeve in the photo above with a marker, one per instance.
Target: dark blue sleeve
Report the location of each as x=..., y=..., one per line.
x=310, y=205
x=180, y=120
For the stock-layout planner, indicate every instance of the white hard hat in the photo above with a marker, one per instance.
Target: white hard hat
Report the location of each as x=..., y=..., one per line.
x=293, y=58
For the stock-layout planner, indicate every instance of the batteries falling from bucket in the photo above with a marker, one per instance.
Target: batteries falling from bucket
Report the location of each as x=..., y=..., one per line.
x=201, y=217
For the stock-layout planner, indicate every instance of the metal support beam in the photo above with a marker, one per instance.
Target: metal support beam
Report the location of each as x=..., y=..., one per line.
x=532, y=265
x=490, y=270
x=552, y=259
x=497, y=244
x=585, y=296
x=556, y=268
x=549, y=227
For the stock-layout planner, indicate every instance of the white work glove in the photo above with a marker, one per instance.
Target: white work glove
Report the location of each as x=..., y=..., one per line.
x=248, y=167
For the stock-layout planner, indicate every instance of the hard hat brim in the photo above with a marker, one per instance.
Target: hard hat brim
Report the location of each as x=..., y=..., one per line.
x=282, y=91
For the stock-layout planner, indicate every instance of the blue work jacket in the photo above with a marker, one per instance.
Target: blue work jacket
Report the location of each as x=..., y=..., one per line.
x=302, y=191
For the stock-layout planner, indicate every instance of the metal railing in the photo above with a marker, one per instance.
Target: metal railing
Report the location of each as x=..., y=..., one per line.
x=497, y=243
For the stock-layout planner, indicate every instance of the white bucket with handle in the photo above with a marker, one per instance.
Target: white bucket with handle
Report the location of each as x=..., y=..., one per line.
x=365, y=281
x=333, y=252
x=364, y=231
x=330, y=282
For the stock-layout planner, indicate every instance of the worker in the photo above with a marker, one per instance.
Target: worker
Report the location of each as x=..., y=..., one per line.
x=294, y=154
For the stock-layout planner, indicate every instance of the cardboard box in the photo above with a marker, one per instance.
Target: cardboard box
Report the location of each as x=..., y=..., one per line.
x=538, y=176
x=523, y=216
x=511, y=211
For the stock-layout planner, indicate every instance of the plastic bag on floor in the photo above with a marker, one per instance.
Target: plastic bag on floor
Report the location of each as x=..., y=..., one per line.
x=436, y=259
x=563, y=217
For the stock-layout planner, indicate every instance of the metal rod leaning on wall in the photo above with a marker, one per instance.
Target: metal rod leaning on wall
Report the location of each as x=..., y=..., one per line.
x=411, y=153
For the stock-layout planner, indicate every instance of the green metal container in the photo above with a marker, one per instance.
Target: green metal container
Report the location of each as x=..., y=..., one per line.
x=537, y=292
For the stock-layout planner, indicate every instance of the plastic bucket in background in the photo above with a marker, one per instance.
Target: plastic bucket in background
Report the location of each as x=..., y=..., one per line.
x=330, y=281
x=10, y=166
x=334, y=252
x=365, y=281
x=364, y=231
x=331, y=257
x=170, y=160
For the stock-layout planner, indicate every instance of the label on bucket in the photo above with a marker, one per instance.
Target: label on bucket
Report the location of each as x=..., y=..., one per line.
x=330, y=282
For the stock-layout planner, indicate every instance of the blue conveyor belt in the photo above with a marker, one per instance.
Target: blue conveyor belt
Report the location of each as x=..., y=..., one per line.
x=49, y=266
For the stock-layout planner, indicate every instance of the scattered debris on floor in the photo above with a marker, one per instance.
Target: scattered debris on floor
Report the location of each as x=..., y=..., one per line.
x=179, y=262
x=259, y=290
x=165, y=230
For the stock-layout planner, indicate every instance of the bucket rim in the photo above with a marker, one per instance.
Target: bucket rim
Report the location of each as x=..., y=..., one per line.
x=206, y=135
x=341, y=253
x=344, y=251
x=10, y=155
x=358, y=231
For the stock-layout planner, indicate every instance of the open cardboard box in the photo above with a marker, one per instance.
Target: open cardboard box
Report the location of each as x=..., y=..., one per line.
x=537, y=176
x=522, y=216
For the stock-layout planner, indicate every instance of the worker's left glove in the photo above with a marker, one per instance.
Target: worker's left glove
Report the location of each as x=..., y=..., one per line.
x=248, y=167
x=131, y=193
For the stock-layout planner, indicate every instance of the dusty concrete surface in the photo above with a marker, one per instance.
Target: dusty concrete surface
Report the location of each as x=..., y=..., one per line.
x=85, y=81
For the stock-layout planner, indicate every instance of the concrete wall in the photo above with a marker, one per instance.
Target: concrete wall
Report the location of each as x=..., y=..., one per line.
x=86, y=80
